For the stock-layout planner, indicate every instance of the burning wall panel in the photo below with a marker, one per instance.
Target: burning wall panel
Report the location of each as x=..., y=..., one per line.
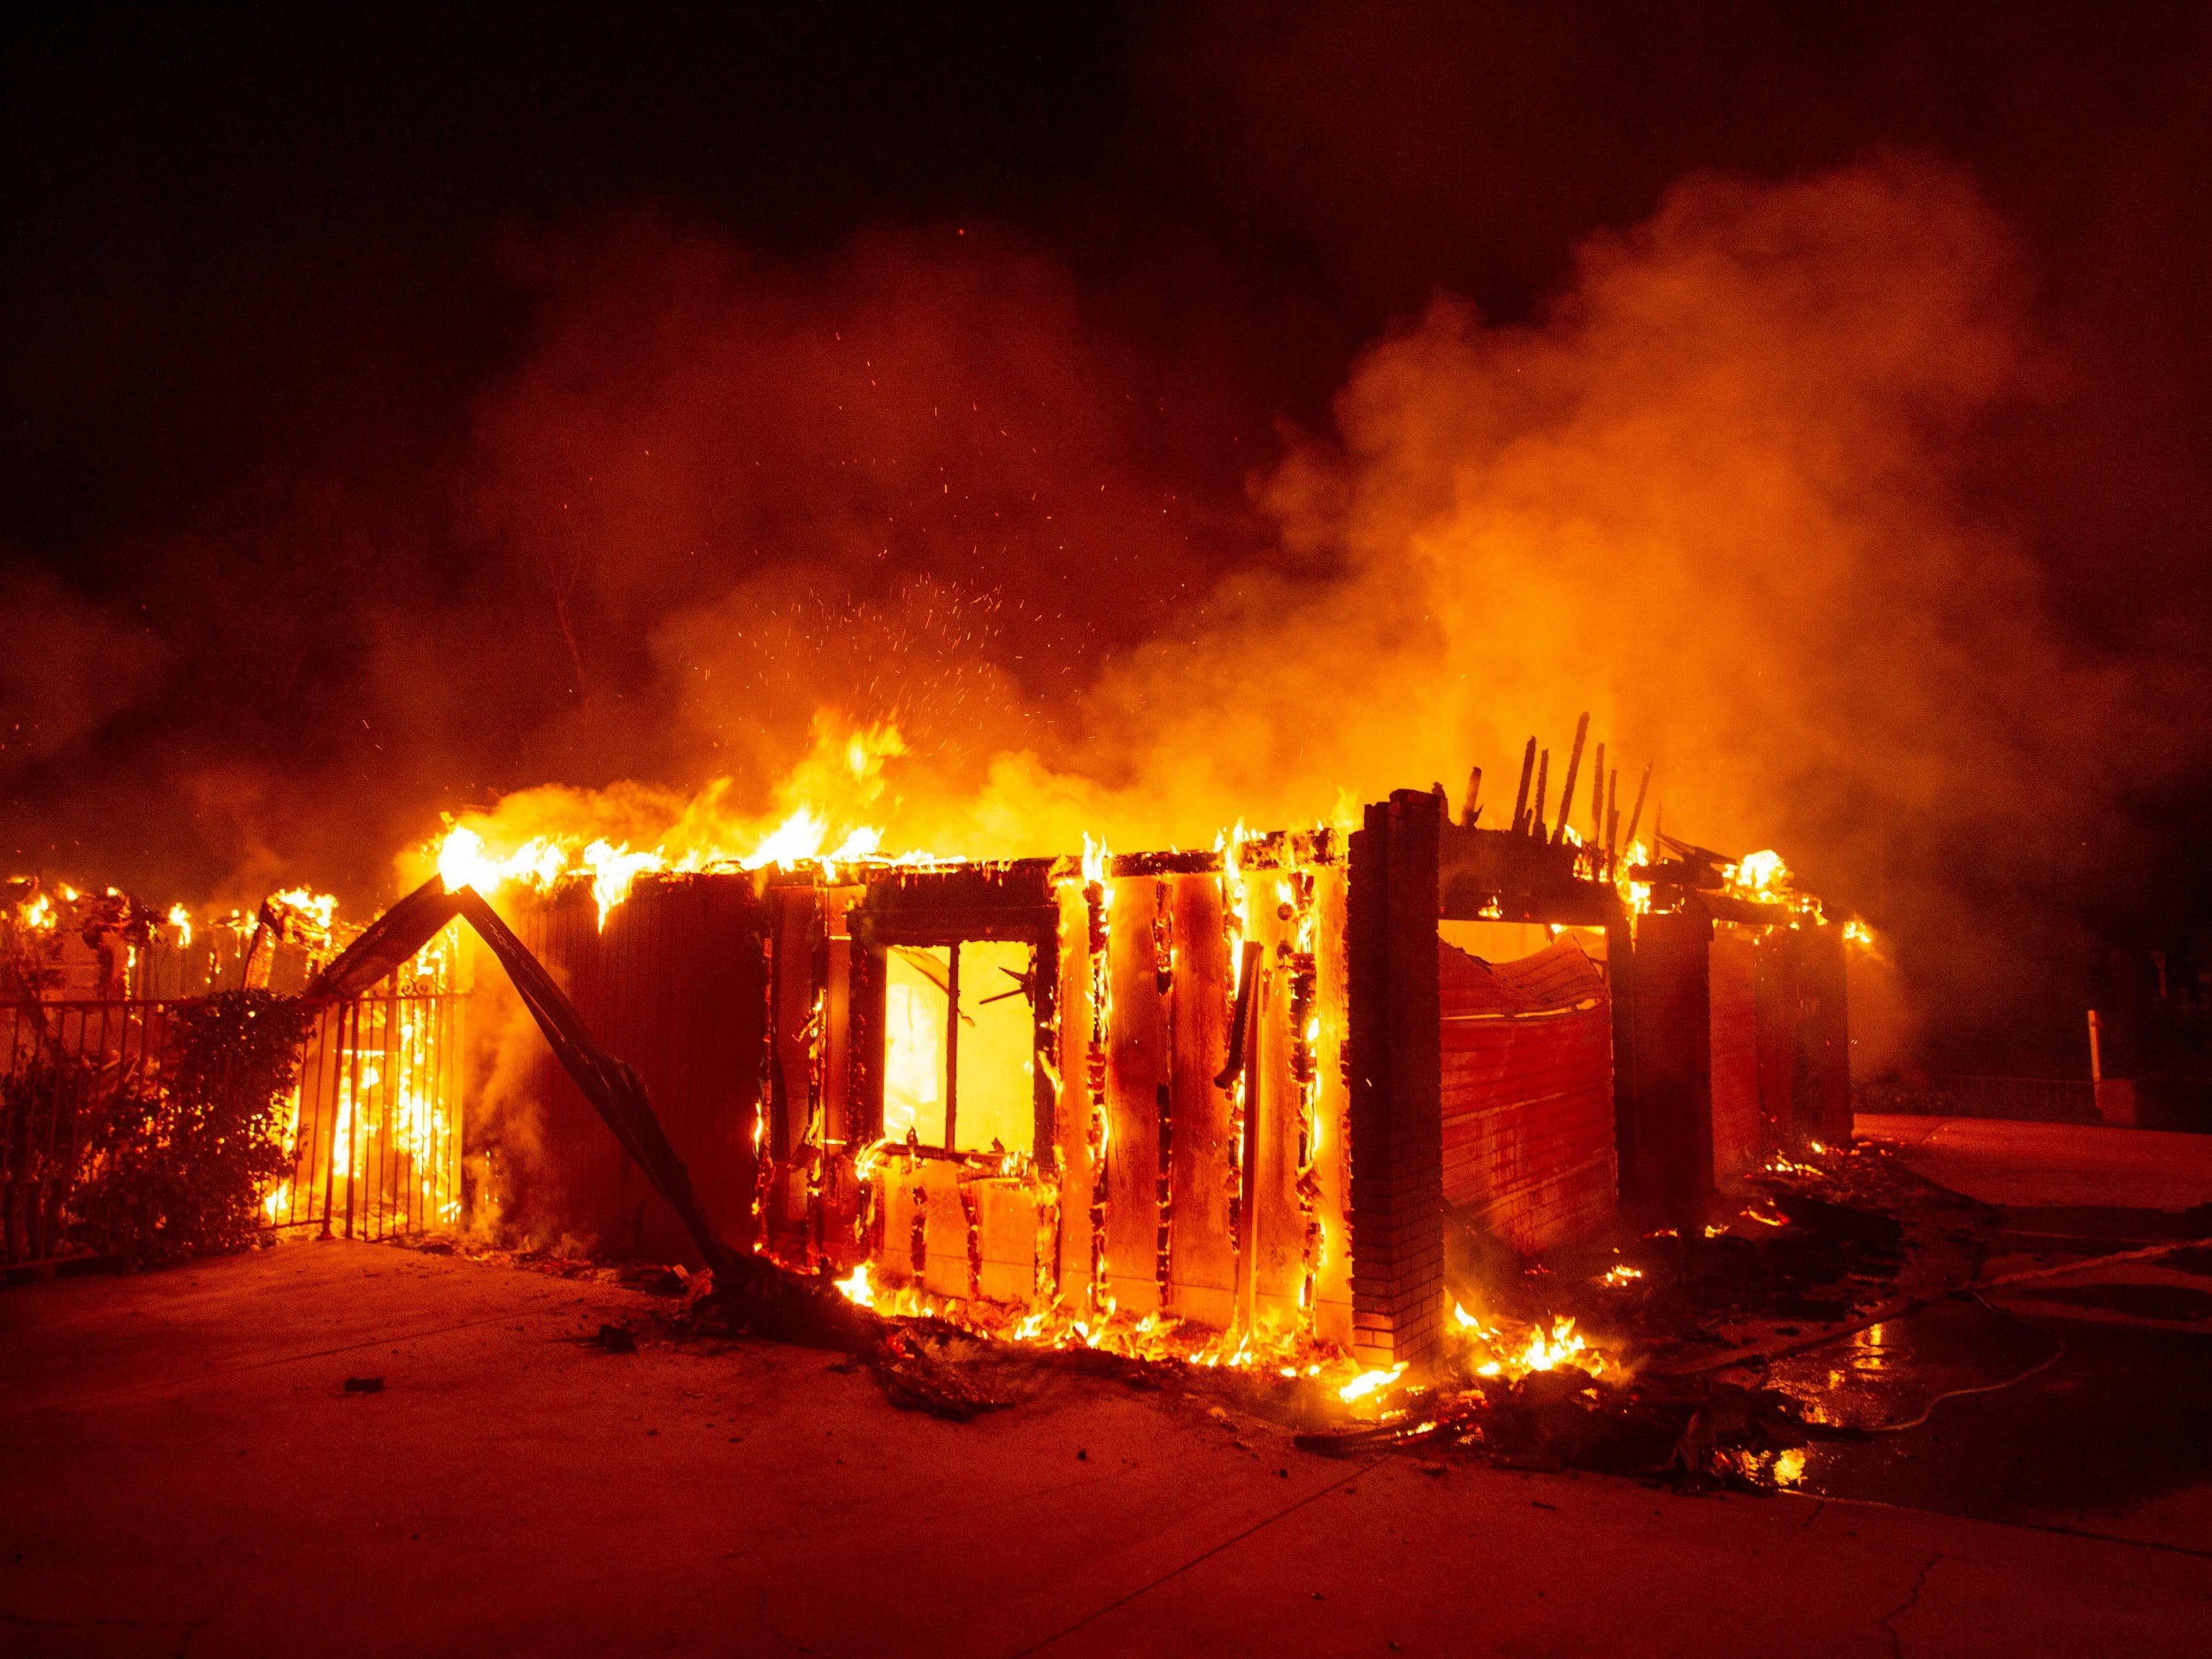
x=1079, y=1120
x=1331, y=1114
x=925, y=1226
x=1202, y=1163
x=1139, y=1074
x=1127, y=1195
x=1278, y=1236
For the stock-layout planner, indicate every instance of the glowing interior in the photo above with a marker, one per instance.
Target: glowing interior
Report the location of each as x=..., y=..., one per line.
x=996, y=1066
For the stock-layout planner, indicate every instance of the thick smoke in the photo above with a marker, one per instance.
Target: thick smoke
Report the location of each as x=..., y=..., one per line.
x=1713, y=494
x=1718, y=491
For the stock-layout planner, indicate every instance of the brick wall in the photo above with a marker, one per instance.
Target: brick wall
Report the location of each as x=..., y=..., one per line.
x=1397, y=1200
x=1737, y=1133
x=1528, y=1130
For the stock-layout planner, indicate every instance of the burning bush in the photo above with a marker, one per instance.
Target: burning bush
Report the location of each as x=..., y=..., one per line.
x=176, y=1166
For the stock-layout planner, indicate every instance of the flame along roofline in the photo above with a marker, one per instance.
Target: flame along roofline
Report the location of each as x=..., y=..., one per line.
x=1274, y=849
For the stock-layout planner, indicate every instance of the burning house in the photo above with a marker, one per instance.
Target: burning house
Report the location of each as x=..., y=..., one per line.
x=1244, y=1094
x=1228, y=1105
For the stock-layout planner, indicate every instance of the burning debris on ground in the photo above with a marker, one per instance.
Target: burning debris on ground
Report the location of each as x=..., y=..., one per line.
x=1638, y=1367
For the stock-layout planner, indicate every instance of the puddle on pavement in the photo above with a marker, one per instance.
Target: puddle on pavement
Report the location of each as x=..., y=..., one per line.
x=1894, y=1373
x=2097, y=1425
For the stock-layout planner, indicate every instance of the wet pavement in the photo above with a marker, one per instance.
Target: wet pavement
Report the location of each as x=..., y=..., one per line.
x=2081, y=1401
x=1894, y=1374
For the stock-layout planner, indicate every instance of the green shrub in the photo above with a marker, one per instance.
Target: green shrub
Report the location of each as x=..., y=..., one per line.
x=41, y=1103
x=176, y=1166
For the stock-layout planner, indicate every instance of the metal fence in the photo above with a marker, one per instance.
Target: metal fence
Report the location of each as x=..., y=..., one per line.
x=374, y=1131
x=65, y=1064
x=376, y=1120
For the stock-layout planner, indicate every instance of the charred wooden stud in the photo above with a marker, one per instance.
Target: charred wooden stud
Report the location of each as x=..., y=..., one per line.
x=1636, y=814
x=1567, y=789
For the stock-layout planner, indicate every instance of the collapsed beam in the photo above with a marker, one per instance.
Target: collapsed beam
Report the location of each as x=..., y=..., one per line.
x=614, y=1090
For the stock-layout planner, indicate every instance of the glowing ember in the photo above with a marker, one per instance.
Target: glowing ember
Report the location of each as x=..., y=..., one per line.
x=1622, y=1274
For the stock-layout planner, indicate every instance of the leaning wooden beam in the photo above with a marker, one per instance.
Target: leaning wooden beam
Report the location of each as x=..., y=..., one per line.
x=1520, y=801
x=386, y=942
x=1636, y=813
x=1567, y=790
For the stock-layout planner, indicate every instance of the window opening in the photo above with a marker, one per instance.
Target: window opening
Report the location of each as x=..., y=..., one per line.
x=959, y=1046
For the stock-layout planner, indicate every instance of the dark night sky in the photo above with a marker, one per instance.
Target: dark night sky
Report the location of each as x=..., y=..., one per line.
x=277, y=287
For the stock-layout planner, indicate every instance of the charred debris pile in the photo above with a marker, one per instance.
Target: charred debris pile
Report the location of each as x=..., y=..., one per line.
x=1641, y=1356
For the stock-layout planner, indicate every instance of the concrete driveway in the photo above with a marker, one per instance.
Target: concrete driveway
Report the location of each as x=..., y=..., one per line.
x=181, y=1471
